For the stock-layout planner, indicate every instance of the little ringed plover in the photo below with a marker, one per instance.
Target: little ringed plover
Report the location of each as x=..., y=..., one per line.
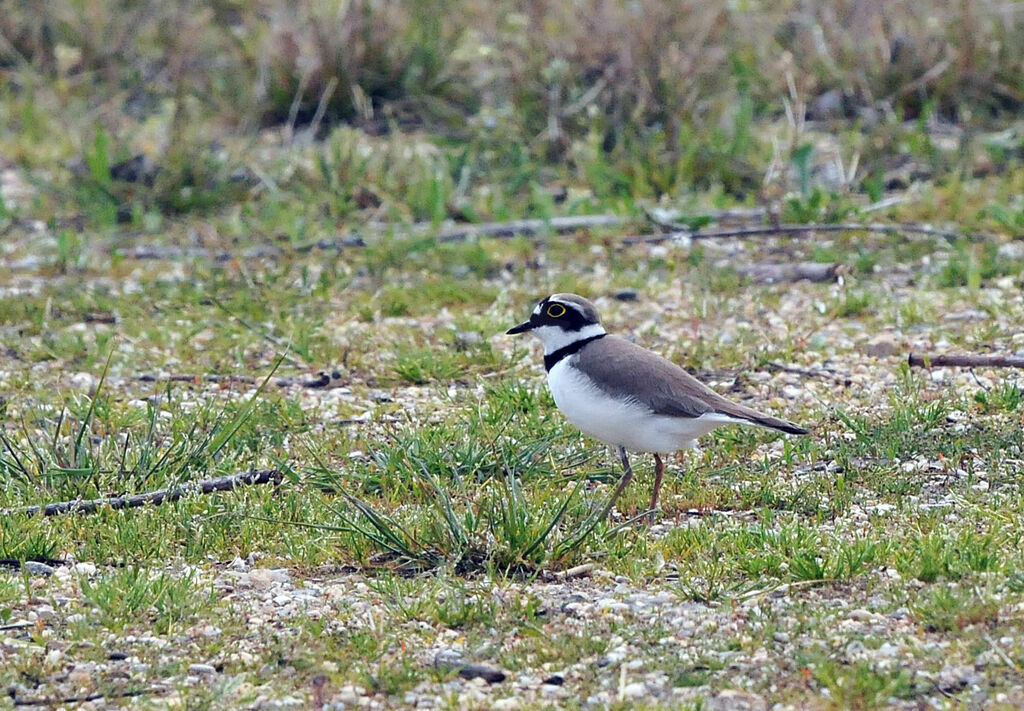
x=624, y=395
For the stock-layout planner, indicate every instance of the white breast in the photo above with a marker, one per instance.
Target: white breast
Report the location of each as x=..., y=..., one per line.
x=624, y=423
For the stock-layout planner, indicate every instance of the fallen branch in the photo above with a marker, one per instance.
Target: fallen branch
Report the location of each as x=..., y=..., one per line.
x=18, y=563
x=965, y=360
x=558, y=225
x=735, y=215
x=321, y=380
x=757, y=214
x=773, y=272
x=57, y=701
x=160, y=496
x=183, y=378
x=797, y=230
x=518, y=228
x=159, y=251
x=515, y=228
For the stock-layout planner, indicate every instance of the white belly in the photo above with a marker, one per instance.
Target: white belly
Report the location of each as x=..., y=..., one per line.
x=622, y=422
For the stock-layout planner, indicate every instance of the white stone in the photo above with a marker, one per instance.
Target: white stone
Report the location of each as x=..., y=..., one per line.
x=634, y=690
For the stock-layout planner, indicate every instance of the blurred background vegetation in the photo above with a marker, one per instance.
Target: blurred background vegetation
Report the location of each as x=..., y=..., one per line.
x=329, y=111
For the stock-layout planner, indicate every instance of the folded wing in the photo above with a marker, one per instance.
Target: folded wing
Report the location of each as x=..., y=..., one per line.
x=629, y=371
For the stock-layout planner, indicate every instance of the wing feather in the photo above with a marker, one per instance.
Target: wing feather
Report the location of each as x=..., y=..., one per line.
x=629, y=371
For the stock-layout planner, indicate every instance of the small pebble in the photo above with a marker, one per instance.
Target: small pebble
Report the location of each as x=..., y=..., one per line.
x=465, y=339
x=84, y=569
x=489, y=674
x=37, y=568
x=634, y=690
x=735, y=700
x=201, y=669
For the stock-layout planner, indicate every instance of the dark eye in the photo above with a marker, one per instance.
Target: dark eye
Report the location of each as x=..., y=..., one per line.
x=556, y=311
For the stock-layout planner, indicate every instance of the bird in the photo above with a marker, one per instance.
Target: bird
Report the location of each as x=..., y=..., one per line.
x=627, y=396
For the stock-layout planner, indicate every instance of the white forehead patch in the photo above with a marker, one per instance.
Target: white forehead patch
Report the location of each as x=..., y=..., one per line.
x=536, y=310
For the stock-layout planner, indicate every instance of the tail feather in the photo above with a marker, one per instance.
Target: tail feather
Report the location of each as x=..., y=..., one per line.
x=749, y=414
x=775, y=423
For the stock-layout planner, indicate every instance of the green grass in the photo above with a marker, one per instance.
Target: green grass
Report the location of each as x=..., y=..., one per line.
x=165, y=600
x=441, y=470
x=862, y=687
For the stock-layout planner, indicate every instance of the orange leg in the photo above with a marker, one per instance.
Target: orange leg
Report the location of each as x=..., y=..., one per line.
x=623, y=483
x=659, y=473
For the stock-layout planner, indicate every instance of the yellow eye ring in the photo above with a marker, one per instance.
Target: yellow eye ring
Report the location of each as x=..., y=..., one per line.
x=556, y=311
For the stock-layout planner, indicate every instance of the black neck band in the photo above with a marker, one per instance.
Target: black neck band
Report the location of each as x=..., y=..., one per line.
x=565, y=351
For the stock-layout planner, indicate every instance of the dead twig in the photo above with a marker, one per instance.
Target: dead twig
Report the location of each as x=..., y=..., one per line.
x=768, y=231
x=266, y=335
x=964, y=360
x=184, y=378
x=922, y=81
x=1003, y=655
x=886, y=203
x=774, y=272
x=559, y=225
x=498, y=230
x=160, y=496
x=736, y=215
x=159, y=251
x=785, y=587
x=977, y=380
x=749, y=215
x=321, y=107
x=17, y=563
x=526, y=228
x=579, y=571
x=57, y=701
x=320, y=380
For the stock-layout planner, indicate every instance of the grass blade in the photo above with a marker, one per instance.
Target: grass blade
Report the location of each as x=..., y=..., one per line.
x=557, y=517
x=222, y=438
x=92, y=407
x=444, y=503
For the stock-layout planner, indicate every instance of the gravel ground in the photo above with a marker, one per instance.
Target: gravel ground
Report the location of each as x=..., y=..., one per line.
x=273, y=633
x=739, y=654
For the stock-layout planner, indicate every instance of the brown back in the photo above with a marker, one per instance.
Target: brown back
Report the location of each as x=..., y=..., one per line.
x=625, y=369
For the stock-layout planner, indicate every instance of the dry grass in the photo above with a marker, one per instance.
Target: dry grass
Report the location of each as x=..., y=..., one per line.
x=563, y=79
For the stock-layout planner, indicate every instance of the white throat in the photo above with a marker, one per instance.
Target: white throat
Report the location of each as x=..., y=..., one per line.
x=555, y=338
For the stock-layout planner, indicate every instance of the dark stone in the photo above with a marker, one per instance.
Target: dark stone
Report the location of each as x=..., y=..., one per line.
x=451, y=659
x=139, y=169
x=491, y=675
